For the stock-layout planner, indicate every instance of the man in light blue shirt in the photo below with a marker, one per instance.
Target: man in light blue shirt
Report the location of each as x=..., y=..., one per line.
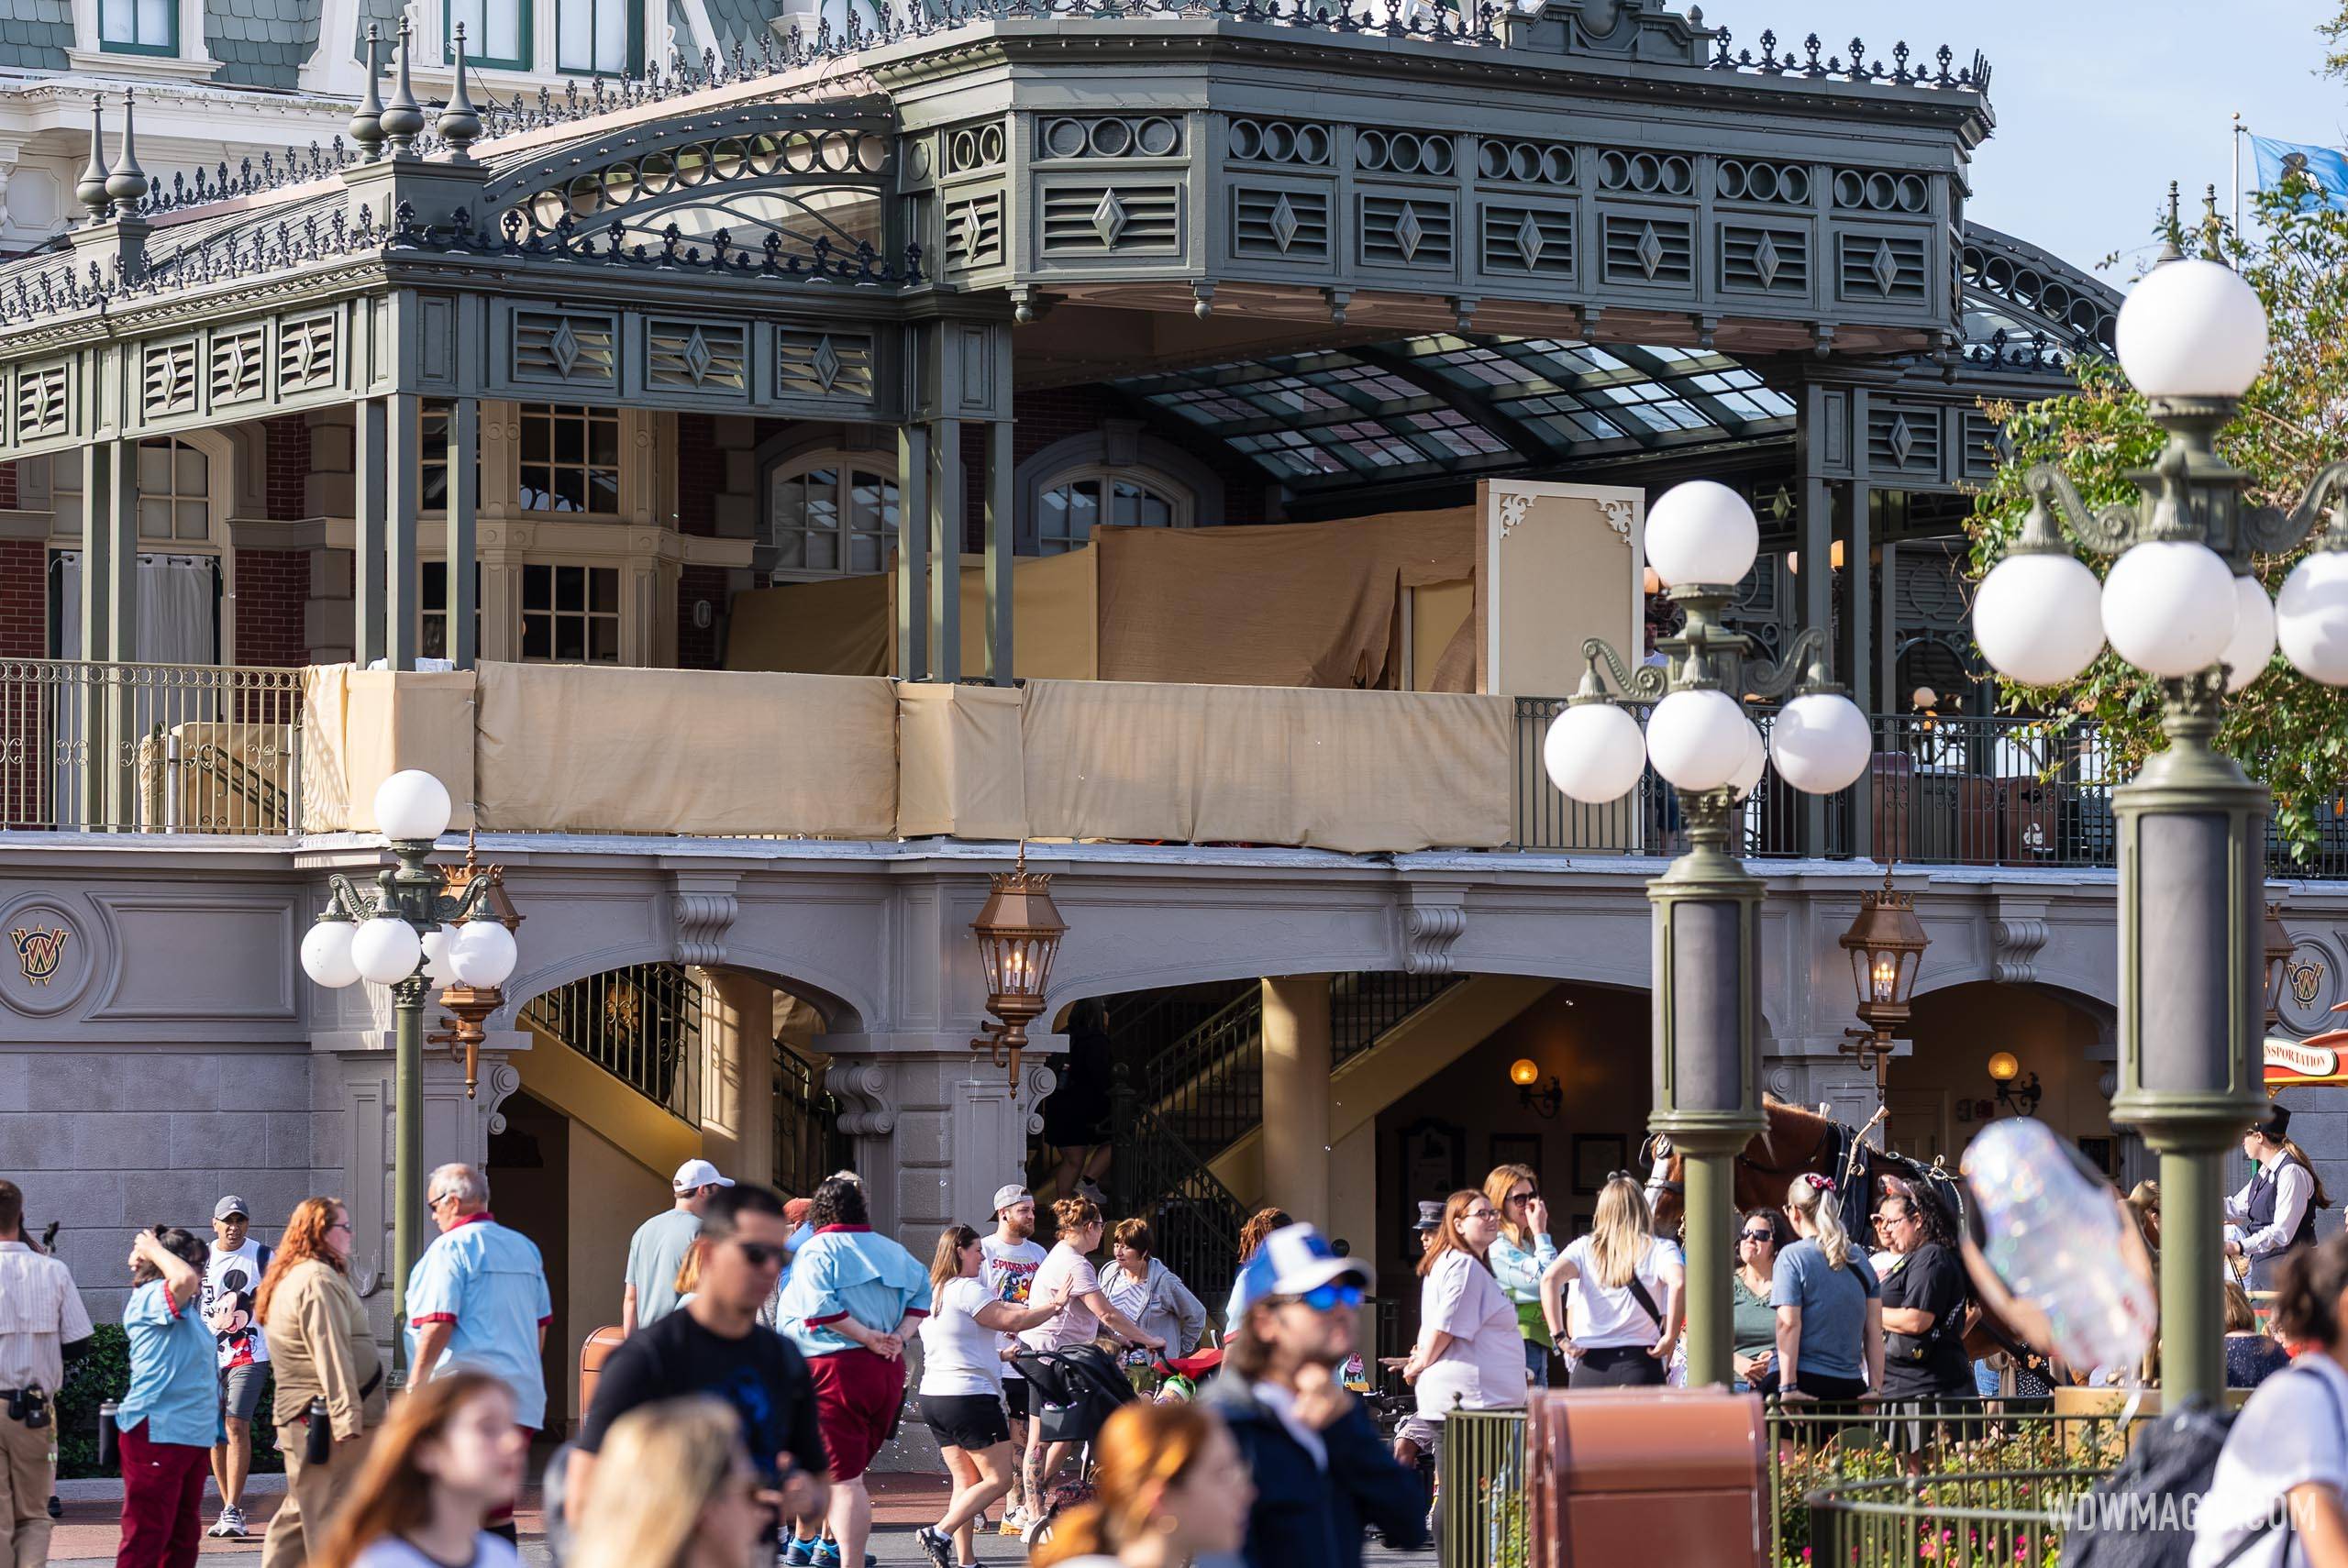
x=478, y=1296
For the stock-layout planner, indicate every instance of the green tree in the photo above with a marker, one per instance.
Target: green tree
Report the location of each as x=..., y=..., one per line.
x=2284, y=730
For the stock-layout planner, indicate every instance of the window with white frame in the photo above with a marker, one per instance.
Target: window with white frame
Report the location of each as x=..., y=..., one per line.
x=497, y=32
x=138, y=26
x=1070, y=505
x=831, y=514
x=597, y=37
x=571, y=615
x=570, y=459
x=174, y=491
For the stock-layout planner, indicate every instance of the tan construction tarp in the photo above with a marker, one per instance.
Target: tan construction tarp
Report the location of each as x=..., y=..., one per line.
x=361, y=726
x=1290, y=604
x=1357, y=771
x=572, y=748
x=959, y=762
x=848, y=626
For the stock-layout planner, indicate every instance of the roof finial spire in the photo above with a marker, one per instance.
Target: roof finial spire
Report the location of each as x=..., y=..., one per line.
x=367, y=120
x=403, y=117
x=92, y=189
x=2172, y=231
x=458, y=125
x=127, y=183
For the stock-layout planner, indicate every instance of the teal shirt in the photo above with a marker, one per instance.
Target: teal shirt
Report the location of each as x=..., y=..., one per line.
x=1753, y=1322
x=1520, y=1272
x=655, y=1253
x=491, y=1285
x=173, y=1387
x=848, y=1271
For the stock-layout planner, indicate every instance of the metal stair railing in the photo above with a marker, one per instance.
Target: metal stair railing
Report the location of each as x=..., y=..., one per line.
x=807, y=1142
x=641, y=1024
x=1194, y=1219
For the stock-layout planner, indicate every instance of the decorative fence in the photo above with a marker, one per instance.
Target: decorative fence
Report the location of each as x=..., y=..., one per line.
x=1483, y=1518
x=641, y=1024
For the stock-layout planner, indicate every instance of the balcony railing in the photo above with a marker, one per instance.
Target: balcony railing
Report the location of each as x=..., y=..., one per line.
x=641, y=1024
x=99, y=747
x=1947, y=791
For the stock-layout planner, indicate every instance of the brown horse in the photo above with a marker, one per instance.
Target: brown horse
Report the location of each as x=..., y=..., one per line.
x=1799, y=1142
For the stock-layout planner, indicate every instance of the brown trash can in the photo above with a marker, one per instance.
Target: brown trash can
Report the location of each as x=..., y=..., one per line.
x=1655, y=1476
x=591, y=1357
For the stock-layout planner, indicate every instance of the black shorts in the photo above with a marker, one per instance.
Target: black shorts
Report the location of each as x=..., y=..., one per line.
x=971, y=1422
x=1015, y=1397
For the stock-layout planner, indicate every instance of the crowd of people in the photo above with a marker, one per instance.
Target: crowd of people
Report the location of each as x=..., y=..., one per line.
x=762, y=1367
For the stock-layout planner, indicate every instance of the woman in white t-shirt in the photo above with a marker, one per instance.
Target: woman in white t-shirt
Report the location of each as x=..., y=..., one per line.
x=450, y=1456
x=1470, y=1352
x=1628, y=1290
x=961, y=1386
x=2276, y=1497
x=1066, y=1275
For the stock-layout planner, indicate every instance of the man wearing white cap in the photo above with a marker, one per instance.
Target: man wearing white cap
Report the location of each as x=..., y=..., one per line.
x=1012, y=1257
x=657, y=1249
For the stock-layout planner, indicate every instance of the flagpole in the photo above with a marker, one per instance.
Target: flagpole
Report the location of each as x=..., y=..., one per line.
x=2237, y=130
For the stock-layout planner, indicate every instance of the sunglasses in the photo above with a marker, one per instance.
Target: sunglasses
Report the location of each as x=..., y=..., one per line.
x=1330, y=1297
x=760, y=1255
x=1522, y=1197
x=1758, y=1236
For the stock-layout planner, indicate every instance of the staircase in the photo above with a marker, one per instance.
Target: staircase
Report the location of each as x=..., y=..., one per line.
x=1178, y=1103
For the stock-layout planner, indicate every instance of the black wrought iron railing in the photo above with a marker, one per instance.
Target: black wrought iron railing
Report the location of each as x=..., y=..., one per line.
x=1961, y=790
x=1363, y=1008
x=1194, y=1219
x=641, y=1024
x=808, y=1145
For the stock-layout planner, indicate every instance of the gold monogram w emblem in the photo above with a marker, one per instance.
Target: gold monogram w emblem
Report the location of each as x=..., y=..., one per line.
x=2305, y=976
x=37, y=951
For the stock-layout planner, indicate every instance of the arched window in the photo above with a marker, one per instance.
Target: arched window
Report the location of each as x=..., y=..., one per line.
x=1070, y=504
x=830, y=514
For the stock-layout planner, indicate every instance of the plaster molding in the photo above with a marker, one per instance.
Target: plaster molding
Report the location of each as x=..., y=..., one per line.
x=2017, y=930
x=704, y=908
x=1434, y=919
x=862, y=1088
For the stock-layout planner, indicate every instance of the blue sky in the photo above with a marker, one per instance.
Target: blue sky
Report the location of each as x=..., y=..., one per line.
x=2100, y=103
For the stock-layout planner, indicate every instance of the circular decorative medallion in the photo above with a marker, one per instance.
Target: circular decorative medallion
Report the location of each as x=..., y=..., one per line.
x=2310, y=984
x=50, y=955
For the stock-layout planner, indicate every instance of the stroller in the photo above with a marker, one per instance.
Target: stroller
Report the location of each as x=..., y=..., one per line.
x=1078, y=1388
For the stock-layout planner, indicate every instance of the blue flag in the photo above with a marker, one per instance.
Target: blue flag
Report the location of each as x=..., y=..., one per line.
x=2326, y=168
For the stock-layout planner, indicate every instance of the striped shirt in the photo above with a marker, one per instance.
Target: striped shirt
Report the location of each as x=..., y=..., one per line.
x=40, y=1312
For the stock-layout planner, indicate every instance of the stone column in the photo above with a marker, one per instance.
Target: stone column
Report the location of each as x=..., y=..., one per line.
x=1296, y=1095
x=737, y=1044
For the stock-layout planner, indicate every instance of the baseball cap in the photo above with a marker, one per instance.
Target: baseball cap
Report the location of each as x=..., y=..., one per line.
x=1292, y=1260
x=1004, y=1197
x=1430, y=1214
x=695, y=1173
x=232, y=1206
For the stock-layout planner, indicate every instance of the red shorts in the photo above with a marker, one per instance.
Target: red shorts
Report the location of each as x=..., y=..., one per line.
x=859, y=1395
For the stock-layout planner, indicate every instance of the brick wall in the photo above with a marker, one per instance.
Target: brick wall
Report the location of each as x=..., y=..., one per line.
x=272, y=586
x=8, y=485
x=287, y=484
x=24, y=596
x=697, y=646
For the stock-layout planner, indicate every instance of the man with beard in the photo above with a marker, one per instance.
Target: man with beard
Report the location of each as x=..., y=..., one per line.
x=1320, y=1469
x=1012, y=1257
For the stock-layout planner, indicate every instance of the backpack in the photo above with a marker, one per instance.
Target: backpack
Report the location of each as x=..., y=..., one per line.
x=2171, y=1460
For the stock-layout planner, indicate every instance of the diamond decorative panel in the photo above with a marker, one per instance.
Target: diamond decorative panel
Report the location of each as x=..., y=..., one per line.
x=306, y=353
x=1406, y=232
x=696, y=356
x=560, y=346
x=41, y=406
x=1530, y=240
x=1093, y=219
x=823, y=364
x=974, y=231
x=1905, y=440
x=168, y=383
x=239, y=360
x=1649, y=250
x=1888, y=267
x=1765, y=261
x=1279, y=223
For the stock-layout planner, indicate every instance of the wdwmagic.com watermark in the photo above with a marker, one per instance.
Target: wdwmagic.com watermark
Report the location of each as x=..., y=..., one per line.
x=2117, y=1513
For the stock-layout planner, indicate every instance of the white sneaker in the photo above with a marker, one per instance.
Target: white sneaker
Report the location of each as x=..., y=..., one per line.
x=229, y=1526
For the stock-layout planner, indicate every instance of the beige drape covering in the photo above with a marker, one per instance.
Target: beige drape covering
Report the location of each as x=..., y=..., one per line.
x=1357, y=771
x=1292, y=604
x=959, y=768
x=361, y=726
x=848, y=626
x=567, y=748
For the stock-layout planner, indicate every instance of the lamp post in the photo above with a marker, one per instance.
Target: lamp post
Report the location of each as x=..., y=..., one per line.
x=1702, y=538
x=2179, y=604
x=410, y=934
x=1886, y=942
x=1019, y=930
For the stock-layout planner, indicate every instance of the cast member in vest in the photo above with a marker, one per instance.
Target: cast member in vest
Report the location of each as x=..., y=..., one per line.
x=2273, y=1215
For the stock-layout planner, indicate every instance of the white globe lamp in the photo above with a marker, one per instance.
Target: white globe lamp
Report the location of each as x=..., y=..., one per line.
x=1696, y=739
x=1821, y=742
x=1594, y=752
x=2311, y=617
x=2192, y=328
x=2169, y=606
x=2038, y=619
x=1702, y=532
x=2253, y=640
x=385, y=950
x=325, y=953
x=412, y=805
x=436, y=972
x=483, y=954
x=1756, y=759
